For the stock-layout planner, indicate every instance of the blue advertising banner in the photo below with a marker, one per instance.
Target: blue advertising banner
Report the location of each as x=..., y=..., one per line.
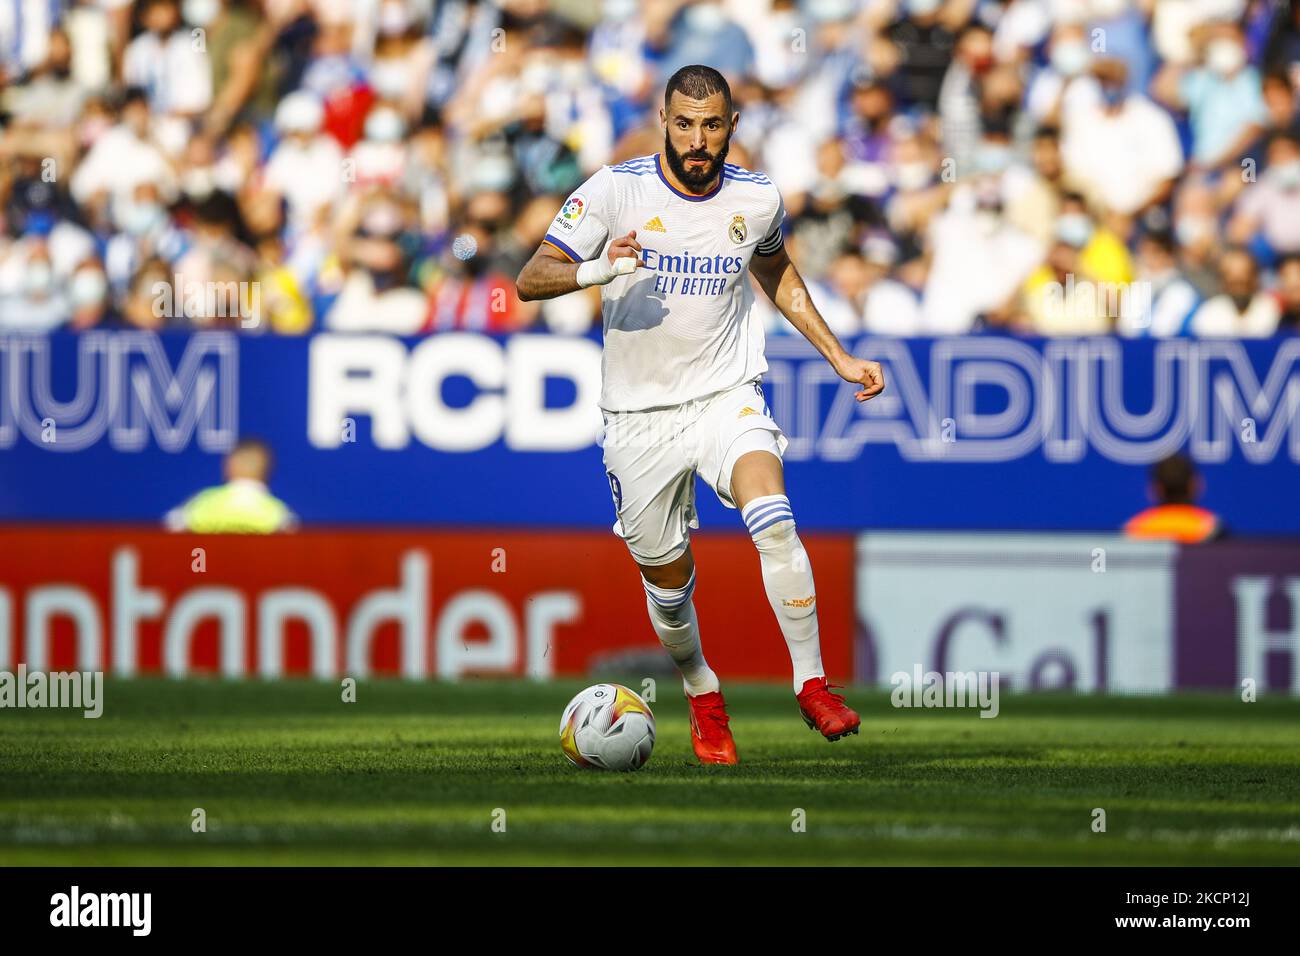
x=472, y=430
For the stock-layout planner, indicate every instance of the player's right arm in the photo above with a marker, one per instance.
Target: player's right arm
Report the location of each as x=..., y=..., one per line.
x=550, y=272
x=570, y=257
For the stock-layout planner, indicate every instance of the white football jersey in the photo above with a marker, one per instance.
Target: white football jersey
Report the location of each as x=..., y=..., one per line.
x=684, y=326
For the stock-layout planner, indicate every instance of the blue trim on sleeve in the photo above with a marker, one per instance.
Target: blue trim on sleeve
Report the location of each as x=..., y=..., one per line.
x=563, y=247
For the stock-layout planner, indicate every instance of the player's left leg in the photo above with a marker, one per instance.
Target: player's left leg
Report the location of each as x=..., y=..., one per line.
x=758, y=489
x=757, y=486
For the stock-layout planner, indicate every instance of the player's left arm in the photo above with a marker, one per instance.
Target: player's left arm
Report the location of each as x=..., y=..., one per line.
x=785, y=287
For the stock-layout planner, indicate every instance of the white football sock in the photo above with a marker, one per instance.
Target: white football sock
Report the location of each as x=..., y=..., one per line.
x=672, y=613
x=787, y=577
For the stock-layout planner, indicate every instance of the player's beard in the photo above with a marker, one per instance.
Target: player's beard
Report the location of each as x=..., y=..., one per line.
x=695, y=179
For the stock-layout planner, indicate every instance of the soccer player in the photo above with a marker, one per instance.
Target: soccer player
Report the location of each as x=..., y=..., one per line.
x=670, y=239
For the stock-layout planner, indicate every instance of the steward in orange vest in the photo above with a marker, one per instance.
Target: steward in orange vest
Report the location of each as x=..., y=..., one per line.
x=1175, y=485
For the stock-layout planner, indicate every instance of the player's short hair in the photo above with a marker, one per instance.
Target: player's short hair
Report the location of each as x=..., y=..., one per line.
x=698, y=82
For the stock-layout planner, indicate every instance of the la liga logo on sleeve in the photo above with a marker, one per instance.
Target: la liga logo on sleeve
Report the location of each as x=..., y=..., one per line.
x=571, y=212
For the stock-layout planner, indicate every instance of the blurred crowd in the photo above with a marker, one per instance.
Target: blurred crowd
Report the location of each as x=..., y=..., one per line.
x=1041, y=167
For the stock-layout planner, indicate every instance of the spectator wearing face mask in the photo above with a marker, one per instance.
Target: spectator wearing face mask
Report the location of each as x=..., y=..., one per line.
x=1127, y=36
x=918, y=192
x=1120, y=148
x=335, y=74
x=1196, y=229
x=467, y=292
x=1268, y=211
x=123, y=157
x=377, y=294
x=1103, y=256
x=88, y=297
x=1019, y=29
x=1060, y=298
x=1165, y=300
x=964, y=93
x=142, y=230
x=704, y=32
x=1069, y=58
x=38, y=304
x=306, y=167
x=995, y=155
x=1243, y=309
x=1222, y=97
x=1085, y=284
x=379, y=159
x=544, y=162
x=832, y=211
x=399, y=70
x=978, y=261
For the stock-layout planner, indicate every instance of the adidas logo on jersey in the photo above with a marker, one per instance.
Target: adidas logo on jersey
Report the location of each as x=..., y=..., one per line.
x=654, y=225
x=746, y=411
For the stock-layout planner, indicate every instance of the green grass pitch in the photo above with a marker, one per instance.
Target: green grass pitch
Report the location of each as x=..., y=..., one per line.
x=412, y=773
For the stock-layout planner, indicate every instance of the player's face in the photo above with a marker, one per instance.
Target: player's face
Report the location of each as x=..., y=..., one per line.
x=697, y=134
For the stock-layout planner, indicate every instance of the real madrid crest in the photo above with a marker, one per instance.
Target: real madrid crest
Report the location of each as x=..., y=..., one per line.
x=737, y=230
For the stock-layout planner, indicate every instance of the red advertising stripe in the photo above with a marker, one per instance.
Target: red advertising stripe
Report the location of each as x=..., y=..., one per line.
x=352, y=602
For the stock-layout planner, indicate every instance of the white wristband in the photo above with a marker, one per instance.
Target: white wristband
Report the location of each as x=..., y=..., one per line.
x=600, y=271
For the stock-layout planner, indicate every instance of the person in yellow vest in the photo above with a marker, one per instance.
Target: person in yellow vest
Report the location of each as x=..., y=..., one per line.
x=1175, y=485
x=243, y=505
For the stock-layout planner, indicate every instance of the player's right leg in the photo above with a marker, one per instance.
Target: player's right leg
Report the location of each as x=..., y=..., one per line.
x=669, y=589
x=654, y=496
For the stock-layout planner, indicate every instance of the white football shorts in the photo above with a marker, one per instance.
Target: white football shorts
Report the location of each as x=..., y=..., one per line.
x=653, y=456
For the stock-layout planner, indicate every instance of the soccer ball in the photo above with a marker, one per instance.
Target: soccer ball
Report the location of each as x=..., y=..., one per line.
x=608, y=727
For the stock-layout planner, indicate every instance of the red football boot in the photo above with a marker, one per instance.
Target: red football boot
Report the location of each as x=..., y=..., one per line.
x=710, y=735
x=825, y=711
